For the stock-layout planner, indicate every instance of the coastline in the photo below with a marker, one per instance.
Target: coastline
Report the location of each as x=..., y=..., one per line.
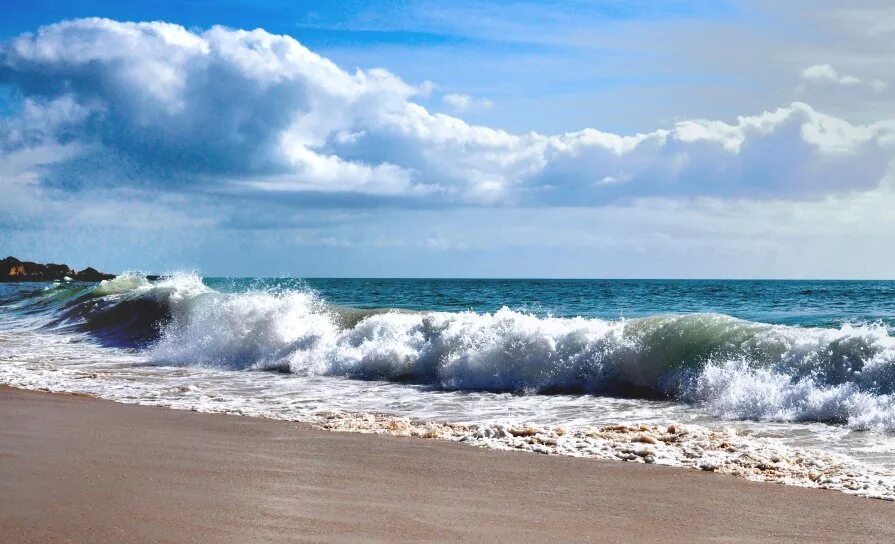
x=79, y=469
x=298, y=332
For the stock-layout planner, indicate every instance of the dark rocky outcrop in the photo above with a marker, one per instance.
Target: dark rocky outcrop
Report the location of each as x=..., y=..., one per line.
x=12, y=269
x=92, y=274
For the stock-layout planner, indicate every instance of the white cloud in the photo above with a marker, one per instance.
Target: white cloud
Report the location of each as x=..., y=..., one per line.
x=826, y=73
x=462, y=103
x=823, y=82
x=249, y=112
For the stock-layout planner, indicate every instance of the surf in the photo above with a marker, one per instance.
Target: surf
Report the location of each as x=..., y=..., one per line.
x=733, y=368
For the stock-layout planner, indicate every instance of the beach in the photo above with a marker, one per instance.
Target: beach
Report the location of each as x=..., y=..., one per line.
x=79, y=469
x=447, y=272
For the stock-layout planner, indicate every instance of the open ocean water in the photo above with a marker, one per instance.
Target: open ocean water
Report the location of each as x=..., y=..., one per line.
x=805, y=363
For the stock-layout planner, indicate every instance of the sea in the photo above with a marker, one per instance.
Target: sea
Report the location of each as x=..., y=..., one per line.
x=800, y=364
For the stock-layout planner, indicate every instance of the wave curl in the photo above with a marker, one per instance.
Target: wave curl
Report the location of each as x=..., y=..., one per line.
x=734, y=368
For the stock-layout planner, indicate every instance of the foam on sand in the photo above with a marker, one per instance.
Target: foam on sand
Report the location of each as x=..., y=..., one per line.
x=725, y=450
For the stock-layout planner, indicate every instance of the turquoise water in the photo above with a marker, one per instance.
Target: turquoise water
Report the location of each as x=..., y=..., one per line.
x=804, y=303
x=808, y=303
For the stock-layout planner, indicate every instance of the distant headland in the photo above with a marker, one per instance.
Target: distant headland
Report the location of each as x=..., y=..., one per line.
x=14, y=270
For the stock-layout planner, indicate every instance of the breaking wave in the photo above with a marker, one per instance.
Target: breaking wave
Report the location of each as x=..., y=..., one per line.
x=731, y=367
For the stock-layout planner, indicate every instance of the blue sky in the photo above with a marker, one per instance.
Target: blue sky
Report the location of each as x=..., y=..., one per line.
x=548, y=139
x=520, y=43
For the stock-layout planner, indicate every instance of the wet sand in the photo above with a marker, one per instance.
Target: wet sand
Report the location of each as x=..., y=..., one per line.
x=76, y=469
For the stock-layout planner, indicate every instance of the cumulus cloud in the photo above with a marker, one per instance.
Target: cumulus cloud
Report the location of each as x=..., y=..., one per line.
x=157, y=106
x=879, y=85
x=462, y=103
x=826, y=73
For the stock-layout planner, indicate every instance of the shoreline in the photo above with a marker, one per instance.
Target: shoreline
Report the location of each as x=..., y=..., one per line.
x=81, y=469
x=718, y=449
x=294, y=331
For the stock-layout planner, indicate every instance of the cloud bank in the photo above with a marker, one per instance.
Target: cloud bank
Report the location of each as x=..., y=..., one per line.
x=107, y=104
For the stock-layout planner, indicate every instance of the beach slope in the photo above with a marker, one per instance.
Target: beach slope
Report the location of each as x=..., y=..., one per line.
x=76, y=469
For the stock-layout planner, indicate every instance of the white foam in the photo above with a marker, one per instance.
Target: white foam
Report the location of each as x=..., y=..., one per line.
x=735, y=368
x=734, y=390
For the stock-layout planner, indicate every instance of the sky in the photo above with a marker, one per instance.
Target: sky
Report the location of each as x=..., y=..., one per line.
x=577, y=139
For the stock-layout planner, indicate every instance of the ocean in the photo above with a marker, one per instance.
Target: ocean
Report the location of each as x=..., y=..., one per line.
x=768, y=369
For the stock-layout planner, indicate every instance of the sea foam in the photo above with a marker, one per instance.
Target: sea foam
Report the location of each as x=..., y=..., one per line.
x=731, y=367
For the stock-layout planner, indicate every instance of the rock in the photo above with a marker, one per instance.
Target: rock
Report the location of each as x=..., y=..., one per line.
x=644, y=438
x=92, y=274
x=14, y=270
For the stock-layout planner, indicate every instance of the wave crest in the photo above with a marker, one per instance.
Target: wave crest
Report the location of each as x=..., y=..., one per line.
x=732, y=367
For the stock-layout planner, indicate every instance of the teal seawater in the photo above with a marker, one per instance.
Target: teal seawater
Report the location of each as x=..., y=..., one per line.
x=808, y=303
